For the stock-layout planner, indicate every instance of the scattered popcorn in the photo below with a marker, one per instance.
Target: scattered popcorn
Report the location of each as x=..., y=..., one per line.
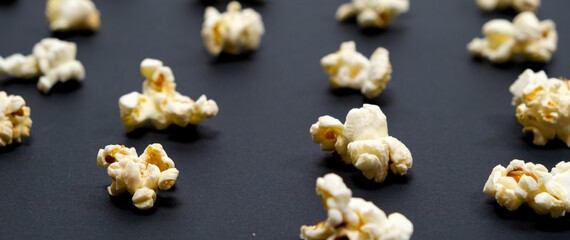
x=528, y=37
x=518, y=5
x=53, y=58
x=69, y=15
x=160, y=103
x=348, y=68
x=353, y=218
x=15, y=119
x=520, y=182
x=232, y=30
x=363, y=141
x=141, y=176
x=372, y=13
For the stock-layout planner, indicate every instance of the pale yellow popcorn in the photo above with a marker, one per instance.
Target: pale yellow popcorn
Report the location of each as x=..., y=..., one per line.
x=233, y=30
x=15, y=119
x=160, y=103
x=353, y=218
x=520, y=182
x=70, y=15
x=372, y=13
x=364, y=142
x=543, y=106
x=141, y=176
x=518, y=5
x=526, y=36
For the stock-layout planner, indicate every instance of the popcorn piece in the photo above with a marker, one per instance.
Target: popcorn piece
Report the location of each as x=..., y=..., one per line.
x=141, y=176
x=53, y=58
x=160, y=103
x=372, y=13
x=518, y=5
x=232, y=30
x=69, y=15
x=348, y=68
x=363, y=141
x=520, y=182
x=543, y=106
x=353, y=218
x=528, y=37
x=15, y=119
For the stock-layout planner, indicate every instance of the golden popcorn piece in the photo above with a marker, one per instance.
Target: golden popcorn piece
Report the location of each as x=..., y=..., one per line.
x=15, y=119
x=372, y=13
x=518, y=5
x=70, y=15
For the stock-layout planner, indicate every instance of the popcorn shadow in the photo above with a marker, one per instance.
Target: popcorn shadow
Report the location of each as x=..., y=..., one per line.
x=334, y=162
x=74, y=33
x=125, y=202
x=65, y=87
x=517, y=64
x=190, y=133
x=525, y=214
x=6, y=2
x=229, y=58
x=381, y=100
x=369, y=184
x=550, y=145
x=507, y=13
x=373, y=31
x=9, y=148
x=214, y=2
x=15, y=81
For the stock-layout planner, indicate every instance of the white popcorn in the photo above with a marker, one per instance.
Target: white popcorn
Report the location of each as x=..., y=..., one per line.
x=160, y=103
x=353, y=218
x=350, y=69
x=363, y=141
x=520, y=182
x=141, y=176
x=69, y=15
x=372, y=13
x=543, y=106
x=53, y=58
x=526, y=36
x=233, y=30
x=15, y=119
x=518, y=5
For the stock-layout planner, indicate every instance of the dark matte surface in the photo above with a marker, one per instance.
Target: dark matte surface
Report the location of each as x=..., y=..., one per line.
x=250, y=172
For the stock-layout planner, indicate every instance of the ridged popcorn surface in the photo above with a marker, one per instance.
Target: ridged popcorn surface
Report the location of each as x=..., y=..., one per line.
x=518, y=5
x=15, y=119
x=70, y=15
x=372, y=13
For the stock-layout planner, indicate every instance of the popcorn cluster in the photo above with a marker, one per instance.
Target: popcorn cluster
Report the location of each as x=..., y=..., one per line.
x=141, y=176
x=526, y=36
x=15, y=119
x=520, y=182
x=160, y=103
x=69, y=15
x=372, y=13
x=353, y=218
x=348, y=68
x=53, y=58
x=518, y=5
x=233, y=30
x=363, y=141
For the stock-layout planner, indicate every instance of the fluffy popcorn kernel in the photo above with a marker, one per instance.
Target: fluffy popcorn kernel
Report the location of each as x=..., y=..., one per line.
x=353, y=218
x=350, y=69
x=141, y=176
x=372, y=13
x=526, y=36
x=543, y=106
x=15, y=119
x=231, y=31
x=364, y=142
x=518, y=5
x=520, y=182
x=69, y=15
x=160, y=103
x=53, y=58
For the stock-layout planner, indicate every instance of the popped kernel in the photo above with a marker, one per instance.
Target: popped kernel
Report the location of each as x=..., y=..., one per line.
x=372, y=13
x=518, y=5
x=69, y=15
x=15, y=119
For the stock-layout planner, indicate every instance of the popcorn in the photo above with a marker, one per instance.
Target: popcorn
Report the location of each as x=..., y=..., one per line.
x=363, y=141
x=69, y=15
x=348, y=68
x=141, y=176
x=353, y=218
x=160, y=103
x=232, y=30
x=53, y=58
x=528, y=37
x=518, y=5
x=520, y=182
x=543, y=106
x=372, y=13
x=15, y=119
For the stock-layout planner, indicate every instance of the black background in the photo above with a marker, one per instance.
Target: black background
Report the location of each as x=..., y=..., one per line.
x=249, y=173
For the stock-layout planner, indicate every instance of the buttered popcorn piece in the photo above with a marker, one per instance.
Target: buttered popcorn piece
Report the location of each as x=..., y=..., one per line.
x=526, y=36
x=160, y=103
x=15, y=119
x=350, y=69
x=353, y=218
x=141, y=176
x=372, y=13
x=543, y=106
x=233, y=30
x=518, y=5
x=520, y=182
x=69, y=15
x=364, y=142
